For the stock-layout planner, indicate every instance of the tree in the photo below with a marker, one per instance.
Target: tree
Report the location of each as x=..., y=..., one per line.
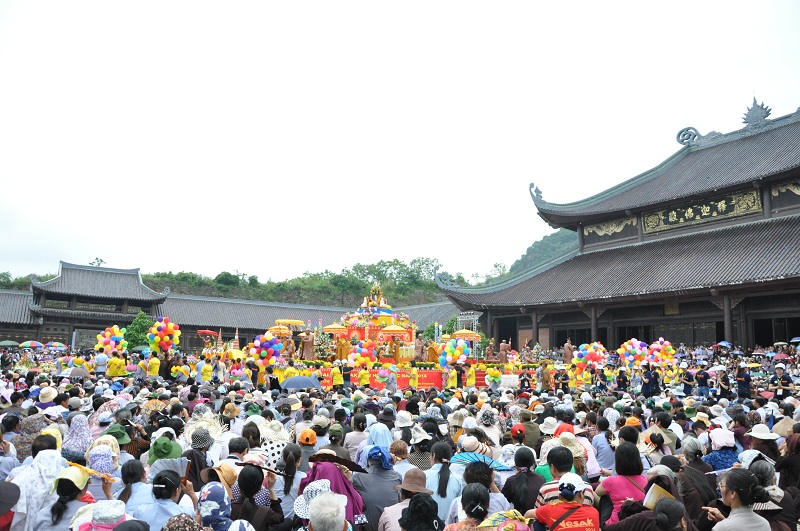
x=136, y=332
x=227, y=279
x=252, y=281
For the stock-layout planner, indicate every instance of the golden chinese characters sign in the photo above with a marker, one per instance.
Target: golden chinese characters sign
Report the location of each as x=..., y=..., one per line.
x=721, y=207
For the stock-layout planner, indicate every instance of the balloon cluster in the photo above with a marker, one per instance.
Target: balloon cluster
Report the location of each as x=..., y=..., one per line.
x=590, y=353
x=661, y=351
x=455, y=350
x=113, y=338
x=163, y=335
x=633, y=352
x=362, y=352
x=268, y=349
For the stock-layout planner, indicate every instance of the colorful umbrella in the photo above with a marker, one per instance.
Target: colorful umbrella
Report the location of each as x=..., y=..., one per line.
x=473, y=457
x=55, y=344
x=31, y=344
x=781, y=356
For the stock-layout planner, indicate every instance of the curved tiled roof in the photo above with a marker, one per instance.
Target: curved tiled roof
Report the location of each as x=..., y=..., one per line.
x=676, y=264
x=98, y=282
x=711, y=163
x=14, y=307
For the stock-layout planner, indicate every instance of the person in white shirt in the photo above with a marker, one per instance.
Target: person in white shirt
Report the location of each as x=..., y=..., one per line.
x=238, y=447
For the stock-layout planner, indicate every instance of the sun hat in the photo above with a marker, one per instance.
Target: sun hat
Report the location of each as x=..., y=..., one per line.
x=721, y=438
x=201, y=438
x=684, y=365
x=456, y=418
x=226, y=474
x=761, y=431
x=418, y=435
x=414, y=481
x=549, y=425
x=403, y=420
x=320, y=421
x=47, y=394
x=308, y=436
x=74, y=403
x=231, y=410
x=538, y=409
x=252, y=409
x=469, y=443
x=164, y=448
x=702, y=417
x=118, y=432
x=569, y=442
x=748, y=457
x=780, y=366
x=78, y=476
x=311, y=491
x=102, y=514
x=718, y=411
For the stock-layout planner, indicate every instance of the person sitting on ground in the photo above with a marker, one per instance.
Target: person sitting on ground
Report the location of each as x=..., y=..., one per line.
x=570, y=510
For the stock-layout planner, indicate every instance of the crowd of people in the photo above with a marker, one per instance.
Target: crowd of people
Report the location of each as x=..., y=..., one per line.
x=683, y=447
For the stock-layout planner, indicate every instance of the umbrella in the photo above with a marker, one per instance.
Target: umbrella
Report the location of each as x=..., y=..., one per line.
x=771, y=354
x=767, y=394
x=781, y=356
x=30, y=344
x=290, y=322
x=781, y=344
x=301, y=382
x=206, y=333
x=678, y=355
x=55, y=344
x=753, y=365
x=758, y=351
x=464, y=333
x=716, y=368
x=334, y=328
x=793, y=340
x=140, y=348
x=74, y=372
x=8, y=343
x=724, y=344
x=466, y=458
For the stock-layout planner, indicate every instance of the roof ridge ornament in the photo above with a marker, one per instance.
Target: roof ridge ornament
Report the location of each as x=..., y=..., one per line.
x=536, y=194
x=756, y=115
x=687, y=135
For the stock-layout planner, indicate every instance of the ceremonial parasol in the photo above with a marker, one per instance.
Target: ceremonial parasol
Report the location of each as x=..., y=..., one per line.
x=301, y=382
x=464, y=333
x=793, y=340
x=335, y=329
x=30, y=344
x=290, y=322
x=236, y=354
x=394, y=330
x=280, y=331
x=207, y=333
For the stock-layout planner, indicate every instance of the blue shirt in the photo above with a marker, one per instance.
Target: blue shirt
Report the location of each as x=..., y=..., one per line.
x=141, y=494
x=157, y=513
x=454, y=488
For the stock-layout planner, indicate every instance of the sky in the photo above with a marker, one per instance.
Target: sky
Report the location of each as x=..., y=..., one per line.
x=277, y=138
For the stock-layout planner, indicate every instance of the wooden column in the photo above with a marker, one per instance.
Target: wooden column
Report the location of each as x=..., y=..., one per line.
x=639, y=228
x=726, y=310
x=580, y=237
x=496, y=332
x=488, y=324
x=766, y=200
x=593, y=317
x=534, y=327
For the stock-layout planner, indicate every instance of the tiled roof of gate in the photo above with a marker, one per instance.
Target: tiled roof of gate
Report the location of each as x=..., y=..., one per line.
x=14, y=307
x=702, y=167
x=98, y=282
x=750, y=253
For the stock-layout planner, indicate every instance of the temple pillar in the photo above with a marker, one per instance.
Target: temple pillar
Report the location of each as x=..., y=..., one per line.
x=534, y=327
x=728, y=318
x=593, y=317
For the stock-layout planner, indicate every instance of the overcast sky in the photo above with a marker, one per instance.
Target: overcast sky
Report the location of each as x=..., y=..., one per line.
x=207, y=137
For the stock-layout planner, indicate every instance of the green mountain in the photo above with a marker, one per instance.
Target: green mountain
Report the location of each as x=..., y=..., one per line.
x=551, y=246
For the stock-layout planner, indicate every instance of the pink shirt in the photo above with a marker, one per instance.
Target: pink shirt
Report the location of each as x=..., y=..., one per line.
x=620, y=488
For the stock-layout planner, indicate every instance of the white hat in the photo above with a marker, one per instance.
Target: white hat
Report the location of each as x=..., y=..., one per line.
x=742, y=365
x=549, y=425
x=404, y=419
x=623, y=369
x=684, y=365
x=761, y=431
x=780, y=366
x=572, y=482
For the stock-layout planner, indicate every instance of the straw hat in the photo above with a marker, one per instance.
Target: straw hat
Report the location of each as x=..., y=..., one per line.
x=226, y=474
x=569, y=442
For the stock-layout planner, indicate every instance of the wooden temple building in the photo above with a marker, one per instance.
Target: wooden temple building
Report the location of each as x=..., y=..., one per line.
x=83, y=300
x=704, y=247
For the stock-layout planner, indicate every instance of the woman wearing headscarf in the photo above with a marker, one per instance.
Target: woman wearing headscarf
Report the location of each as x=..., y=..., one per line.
x=77, y=440
x=94, y=420
x=214, y=507
x=379, y=435
x=69, y=487
x=340, y=484
x=723, y=452
x=29, y=428
x=377, y=488
x=488, y=423
x=33, y=482
x=183, y=522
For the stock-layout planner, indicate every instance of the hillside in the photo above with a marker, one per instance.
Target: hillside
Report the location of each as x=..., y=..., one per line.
x=551, y=246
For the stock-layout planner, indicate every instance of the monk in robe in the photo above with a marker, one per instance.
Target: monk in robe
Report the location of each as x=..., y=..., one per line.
x=568, y=350
x=419, y=348
x=308, y=346
x=505, y=350
x=433, y=354
x=289, y=349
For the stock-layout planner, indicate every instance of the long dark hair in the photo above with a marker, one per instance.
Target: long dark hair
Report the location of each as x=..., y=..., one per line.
x=132, y=472
x=603, y=425
x=442, y=453
x=291, y=456
x=475, y=501
x=252, y=434
x=525, y=463
x=250, y=479
x=67, y=491
x=359, y=422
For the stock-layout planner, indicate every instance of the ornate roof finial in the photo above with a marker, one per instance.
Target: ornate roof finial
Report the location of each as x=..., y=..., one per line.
x=756, y=116
x=687, y=135
x=536, y=194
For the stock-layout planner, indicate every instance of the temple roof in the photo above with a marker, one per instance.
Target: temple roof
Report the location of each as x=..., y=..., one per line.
x=98, y=282
x=739, y=255
x=14, y=307
x=707, y=163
